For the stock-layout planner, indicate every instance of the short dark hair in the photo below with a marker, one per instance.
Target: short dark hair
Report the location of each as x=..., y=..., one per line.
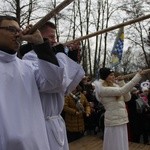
x=7, y=17
x=47, y=24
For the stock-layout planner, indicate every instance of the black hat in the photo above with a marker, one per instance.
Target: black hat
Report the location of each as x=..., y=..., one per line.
x=104, y=73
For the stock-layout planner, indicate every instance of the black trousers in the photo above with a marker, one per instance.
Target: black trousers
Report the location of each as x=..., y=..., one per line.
x=72, y=136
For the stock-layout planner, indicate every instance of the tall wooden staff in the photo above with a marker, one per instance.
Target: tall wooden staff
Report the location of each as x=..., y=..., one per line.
x=53, y=13
x=110, y=29
x=128, y=76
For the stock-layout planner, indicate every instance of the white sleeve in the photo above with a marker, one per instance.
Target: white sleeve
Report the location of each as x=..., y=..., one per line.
x=118, y=91
x=73, y=72
x=49, y=77
x=127, y=96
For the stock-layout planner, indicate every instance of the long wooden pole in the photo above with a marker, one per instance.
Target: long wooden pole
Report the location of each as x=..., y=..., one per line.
x=53, y=13
x=109, y=29
x=128, y=76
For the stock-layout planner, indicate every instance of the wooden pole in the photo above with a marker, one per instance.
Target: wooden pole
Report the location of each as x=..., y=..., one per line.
x=109, y=29
x=53, y=13
x=128, y=76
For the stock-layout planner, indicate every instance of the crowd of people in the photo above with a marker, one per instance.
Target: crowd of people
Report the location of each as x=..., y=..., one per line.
x=139, y=123
x=47, y=101
x=139, y=118
x=122, y=114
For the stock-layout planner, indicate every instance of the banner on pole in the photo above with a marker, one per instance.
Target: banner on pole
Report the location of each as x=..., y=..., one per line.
x=116, y=54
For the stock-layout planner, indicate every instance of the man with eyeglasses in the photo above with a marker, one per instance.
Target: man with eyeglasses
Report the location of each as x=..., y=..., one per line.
x=53, y=103
x=22, y=123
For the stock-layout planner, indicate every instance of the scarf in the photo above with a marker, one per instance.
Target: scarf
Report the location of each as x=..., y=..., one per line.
x=77, y=99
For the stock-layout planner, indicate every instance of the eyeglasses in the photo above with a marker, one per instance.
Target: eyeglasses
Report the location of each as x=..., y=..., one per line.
x=11, y=29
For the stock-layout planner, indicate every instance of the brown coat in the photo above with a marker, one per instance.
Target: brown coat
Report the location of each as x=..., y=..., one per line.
x=74, y=122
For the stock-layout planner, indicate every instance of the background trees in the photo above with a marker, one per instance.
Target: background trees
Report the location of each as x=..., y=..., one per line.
x=83, y=17
x=139, y=31
x=25, y=10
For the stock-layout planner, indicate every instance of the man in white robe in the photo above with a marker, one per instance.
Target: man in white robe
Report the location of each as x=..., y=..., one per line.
x=53, y=102
x=22, y=123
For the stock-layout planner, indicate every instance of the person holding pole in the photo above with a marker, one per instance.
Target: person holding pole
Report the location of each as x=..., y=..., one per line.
x=53, y=102
x=22, y=123
x=112, y=92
